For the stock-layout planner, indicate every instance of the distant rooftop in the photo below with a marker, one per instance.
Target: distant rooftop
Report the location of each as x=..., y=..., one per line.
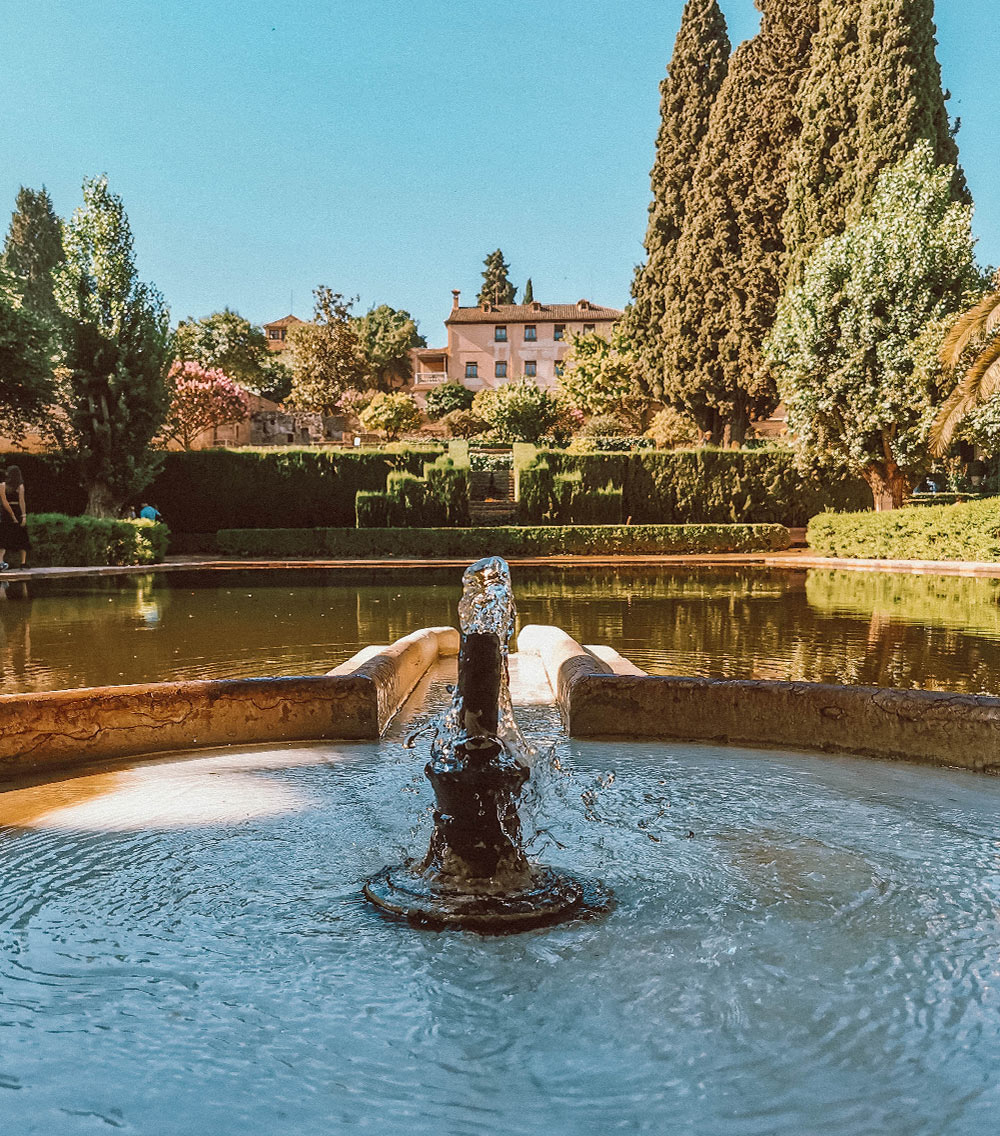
x=285, y=321
x=533, y=313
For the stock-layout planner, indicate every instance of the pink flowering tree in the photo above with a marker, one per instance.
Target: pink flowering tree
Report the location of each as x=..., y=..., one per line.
x=202, y=400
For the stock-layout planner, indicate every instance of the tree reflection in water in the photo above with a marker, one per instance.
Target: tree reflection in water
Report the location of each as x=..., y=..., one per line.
x=929, y=632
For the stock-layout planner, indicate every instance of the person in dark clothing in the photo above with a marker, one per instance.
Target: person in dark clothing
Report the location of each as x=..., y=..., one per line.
x=13, y=517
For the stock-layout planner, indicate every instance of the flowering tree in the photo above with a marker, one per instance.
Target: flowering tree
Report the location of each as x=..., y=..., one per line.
x=854, y=345
x=202, y=400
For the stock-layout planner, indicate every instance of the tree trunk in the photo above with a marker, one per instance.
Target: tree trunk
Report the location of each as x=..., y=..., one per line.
x=889, y=485
x=100, y=501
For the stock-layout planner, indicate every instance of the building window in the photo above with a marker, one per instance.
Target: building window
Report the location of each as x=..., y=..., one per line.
x=274, y=333
x=530, y=334
x=500, y=334
x=558, y=331
x=472, y=370
x=500, y=370
x=588, y=329
x=530, y=368
x=559, y=367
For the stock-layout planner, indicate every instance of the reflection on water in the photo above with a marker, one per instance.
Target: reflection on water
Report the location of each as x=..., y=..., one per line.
x=823, y=626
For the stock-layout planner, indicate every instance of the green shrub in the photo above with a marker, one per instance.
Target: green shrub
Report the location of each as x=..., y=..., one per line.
x=58, y=541
x=465, y=543
x=463, y=424
x=213, y=489
x=442, y=400
x=702, y=486
x=440, y=497
x=371, y=509
x=969, y=531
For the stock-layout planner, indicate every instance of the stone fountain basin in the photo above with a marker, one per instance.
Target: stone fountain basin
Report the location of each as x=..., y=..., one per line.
x=802, y=943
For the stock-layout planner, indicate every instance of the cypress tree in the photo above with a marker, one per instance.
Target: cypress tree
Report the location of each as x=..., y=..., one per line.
x=694, y=76
x=873, y=90
x=496, y=289
x=33, y=248
x=902, y=98
x=730, y=259
x=529, y=293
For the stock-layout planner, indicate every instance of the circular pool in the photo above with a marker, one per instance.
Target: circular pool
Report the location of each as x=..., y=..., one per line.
x=801, y=944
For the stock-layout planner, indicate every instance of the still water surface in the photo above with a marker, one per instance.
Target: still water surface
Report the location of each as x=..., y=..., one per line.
x=825, y=626
x=800, y=945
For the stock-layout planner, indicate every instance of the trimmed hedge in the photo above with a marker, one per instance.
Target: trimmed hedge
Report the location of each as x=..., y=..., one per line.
x=58, y=541
x=700, y=486
x=440, y=497
x=431, y=543
x=969, y=531
x=205, y=490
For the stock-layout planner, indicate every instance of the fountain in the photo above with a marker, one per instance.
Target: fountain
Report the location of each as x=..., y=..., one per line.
x=475, y=873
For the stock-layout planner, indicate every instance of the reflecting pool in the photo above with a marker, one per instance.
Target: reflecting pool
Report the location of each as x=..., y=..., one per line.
x=800, y=945
x=933, y=632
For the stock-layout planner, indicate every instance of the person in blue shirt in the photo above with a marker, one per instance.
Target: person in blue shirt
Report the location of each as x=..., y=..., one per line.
x=148, y=513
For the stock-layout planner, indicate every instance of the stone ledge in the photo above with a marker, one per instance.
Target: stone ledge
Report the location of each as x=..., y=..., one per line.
x=77, y=727
x=932, y=727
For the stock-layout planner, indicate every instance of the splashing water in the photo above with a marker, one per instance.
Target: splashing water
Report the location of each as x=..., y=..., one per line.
x=487, y=606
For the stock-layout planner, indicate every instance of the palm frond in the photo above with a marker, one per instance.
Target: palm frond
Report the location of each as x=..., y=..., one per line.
x=976, y=323
x=979, y=385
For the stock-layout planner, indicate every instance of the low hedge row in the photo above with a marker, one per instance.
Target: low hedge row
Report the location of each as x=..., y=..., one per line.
x=58, y=541
x=700, y=486
x=547, y=540
x=968, y=531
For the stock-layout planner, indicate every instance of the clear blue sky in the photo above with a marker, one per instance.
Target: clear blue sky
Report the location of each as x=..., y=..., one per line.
x=382, y=147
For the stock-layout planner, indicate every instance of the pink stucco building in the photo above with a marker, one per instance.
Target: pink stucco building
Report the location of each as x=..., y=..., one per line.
x=493, y=344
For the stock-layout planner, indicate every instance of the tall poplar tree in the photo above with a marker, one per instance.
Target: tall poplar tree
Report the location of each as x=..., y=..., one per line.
x=113, y=396
x=497, y=288
x=33, y=249
x=694, y=76
x=873, y=90
x=730, y=258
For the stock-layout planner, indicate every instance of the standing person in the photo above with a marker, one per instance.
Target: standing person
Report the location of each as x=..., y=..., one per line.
x=13, y=517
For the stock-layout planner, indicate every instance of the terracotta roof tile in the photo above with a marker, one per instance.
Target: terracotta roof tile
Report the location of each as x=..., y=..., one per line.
x=283, y=322
x=532, y=313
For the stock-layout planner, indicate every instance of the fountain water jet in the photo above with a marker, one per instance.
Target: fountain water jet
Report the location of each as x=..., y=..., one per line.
x=475, y=873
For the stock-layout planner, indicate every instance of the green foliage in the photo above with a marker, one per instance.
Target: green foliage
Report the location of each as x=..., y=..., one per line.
x=59, y=541
x=32, y=250
x=529, y=293
x=600, y=377
x=690, y=486
x=605, y=426
x=447, y=397
x=325, y=355
x=390, y=414
x=463, y=424
x=211, y=489
x=969, y=531
x=496, y=289
x=385, y=338
x=113, y=396
x=440, y=497
x=611, y=444
x=225, y=341
x=729, y=267
x=517, y=412
x=27, y=350
x=205, y=490
x=872, y=92
x=471, y=544
x=856, y=365
x=692, y=82
x=670, y=430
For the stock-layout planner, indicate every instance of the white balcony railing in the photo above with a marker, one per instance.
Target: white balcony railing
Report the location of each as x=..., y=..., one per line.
x=429, y=378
